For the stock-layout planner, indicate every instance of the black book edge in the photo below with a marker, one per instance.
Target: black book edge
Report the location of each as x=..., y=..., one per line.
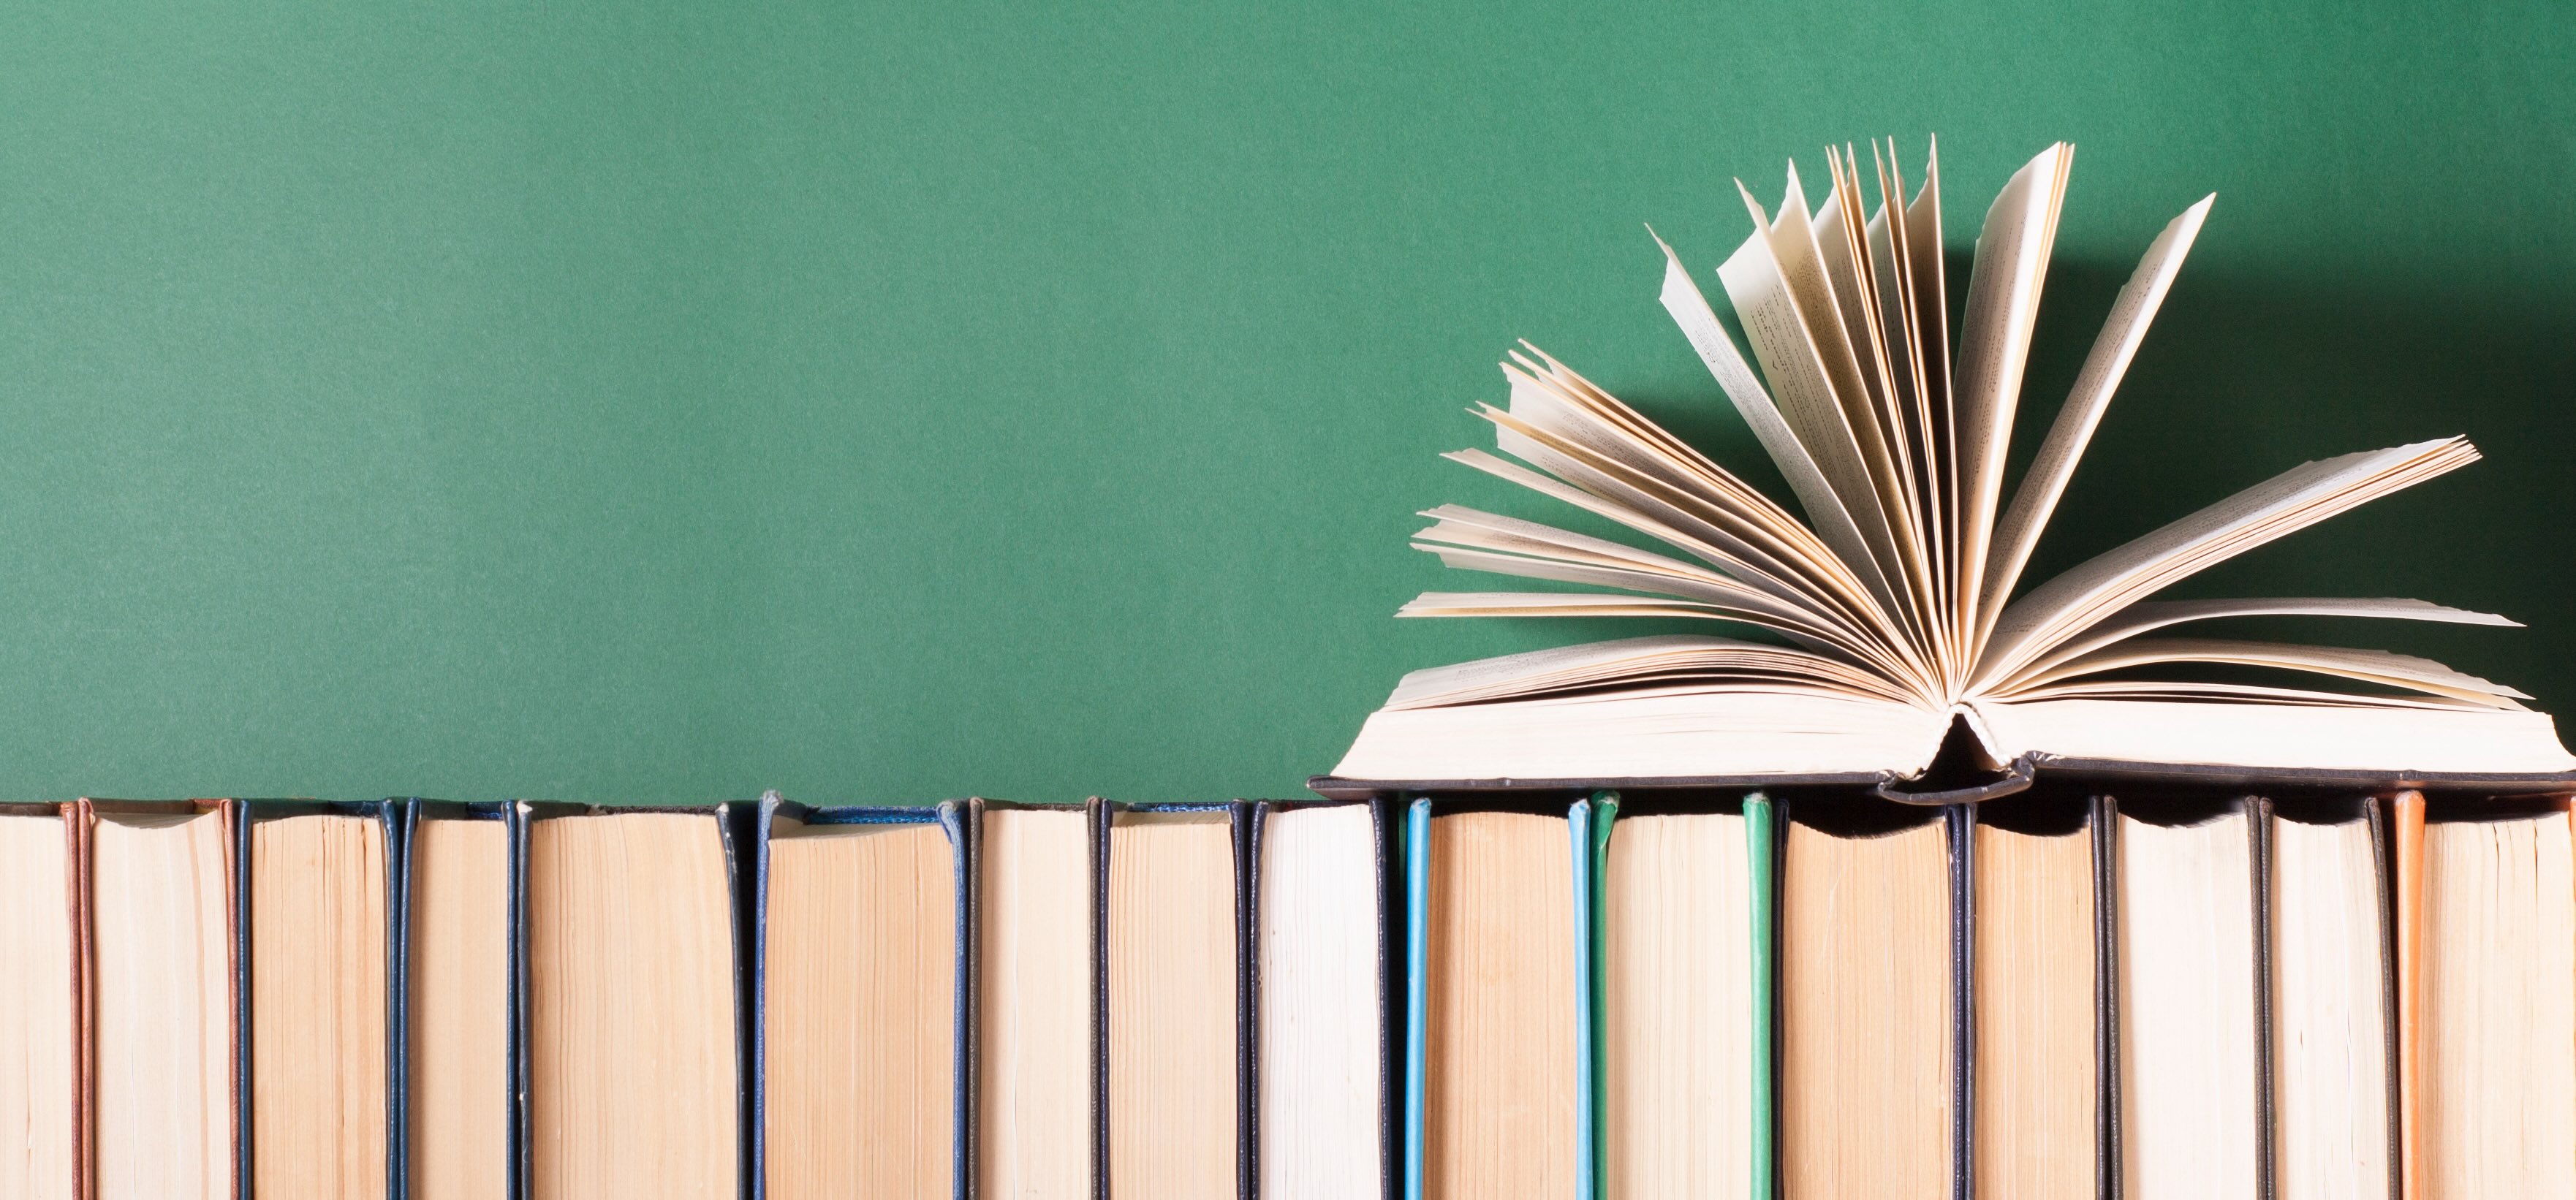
x=2108, y=1181
x=247, y=813
x=733, y=821
x=1097, y=813
x=1960, y=824
x=2259, y=817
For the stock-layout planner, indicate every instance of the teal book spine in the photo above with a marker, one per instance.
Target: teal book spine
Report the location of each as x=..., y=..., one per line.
x=1762, y=846
x=1587, y=1061
x=1605, y=812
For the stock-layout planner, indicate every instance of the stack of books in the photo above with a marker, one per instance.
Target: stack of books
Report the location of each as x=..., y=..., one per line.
x=1809, y=992
x=1926, y=886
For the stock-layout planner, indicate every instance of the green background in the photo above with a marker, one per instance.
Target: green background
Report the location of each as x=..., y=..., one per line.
x=654, y=403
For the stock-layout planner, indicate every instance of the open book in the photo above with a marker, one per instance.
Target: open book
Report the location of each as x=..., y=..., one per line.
x=1890, y=609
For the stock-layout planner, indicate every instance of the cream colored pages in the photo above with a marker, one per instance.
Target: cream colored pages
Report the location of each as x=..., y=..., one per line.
x=2498, y=1102
x=861, y=1011
x=1865, y=1016
x=1677, y=959
x=2186, y=994
x=1690, y=310
x=1035, y=950
x=2291, y=501
x=1848, y=379
x=2037, y=1073
x=459, y=976
x=1499, y=1099
x=2330, y=1092
x=630, y=1009
x=39, y=1154
x=1322, y=1122
x=2046, y=478
x=1755, y=285
x=1994, y=346
x=317, y=1005
x=1172, y=1040
x=163, y=991
x=2151, y=615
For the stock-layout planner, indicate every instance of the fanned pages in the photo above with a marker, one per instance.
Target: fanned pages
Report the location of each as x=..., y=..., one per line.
x=1901, y=585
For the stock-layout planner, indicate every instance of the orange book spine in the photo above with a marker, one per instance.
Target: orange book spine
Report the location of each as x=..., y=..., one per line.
x=2408, y=832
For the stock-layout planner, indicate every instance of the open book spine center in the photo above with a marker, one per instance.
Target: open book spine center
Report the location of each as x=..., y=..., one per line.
x=1896, y=580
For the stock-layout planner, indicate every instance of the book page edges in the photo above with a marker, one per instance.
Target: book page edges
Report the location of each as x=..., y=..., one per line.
x=1754, y=735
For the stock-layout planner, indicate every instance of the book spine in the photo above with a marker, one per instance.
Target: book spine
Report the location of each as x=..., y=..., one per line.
x=1959, y=825
x=1245, y=825
x=960, y=822
x=1098, y=812
x=764, y=824
x=2258, y=824
x=2407, y=811
x=2106, y=996
x=1605, y=814
x=1578, y=826
x=1417, y=997
x=1763, y=849
x=2382, y=873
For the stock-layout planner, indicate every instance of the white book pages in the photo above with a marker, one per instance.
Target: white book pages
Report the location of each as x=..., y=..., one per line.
x=2329, y=1013
x=1319, y=1071
x=2188, y=1065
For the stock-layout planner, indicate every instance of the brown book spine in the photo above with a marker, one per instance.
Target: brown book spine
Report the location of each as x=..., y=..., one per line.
x=2408, y=809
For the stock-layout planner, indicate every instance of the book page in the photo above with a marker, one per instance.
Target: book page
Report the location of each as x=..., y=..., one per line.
x=2018, y=532
x=1690, y=310
x=1761, y=543
x=1789, y=358
x=2158, y=614
x=2290, y=501
x=1511, y=674
x=1994, y=346
x=2368, y=666
x=1841, y=595
x=1799, y=246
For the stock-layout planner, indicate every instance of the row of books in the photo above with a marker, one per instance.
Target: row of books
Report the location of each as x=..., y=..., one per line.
x=1683, y=994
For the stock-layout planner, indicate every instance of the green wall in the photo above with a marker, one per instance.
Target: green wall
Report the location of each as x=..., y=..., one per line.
x=638, y=402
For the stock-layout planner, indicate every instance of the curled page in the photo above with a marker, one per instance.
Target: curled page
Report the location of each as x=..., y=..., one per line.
x=2291, y=501
x=2018, y=532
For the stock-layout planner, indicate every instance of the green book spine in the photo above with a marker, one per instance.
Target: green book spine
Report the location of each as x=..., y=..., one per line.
x=1605, y=812
x=1762, y=845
